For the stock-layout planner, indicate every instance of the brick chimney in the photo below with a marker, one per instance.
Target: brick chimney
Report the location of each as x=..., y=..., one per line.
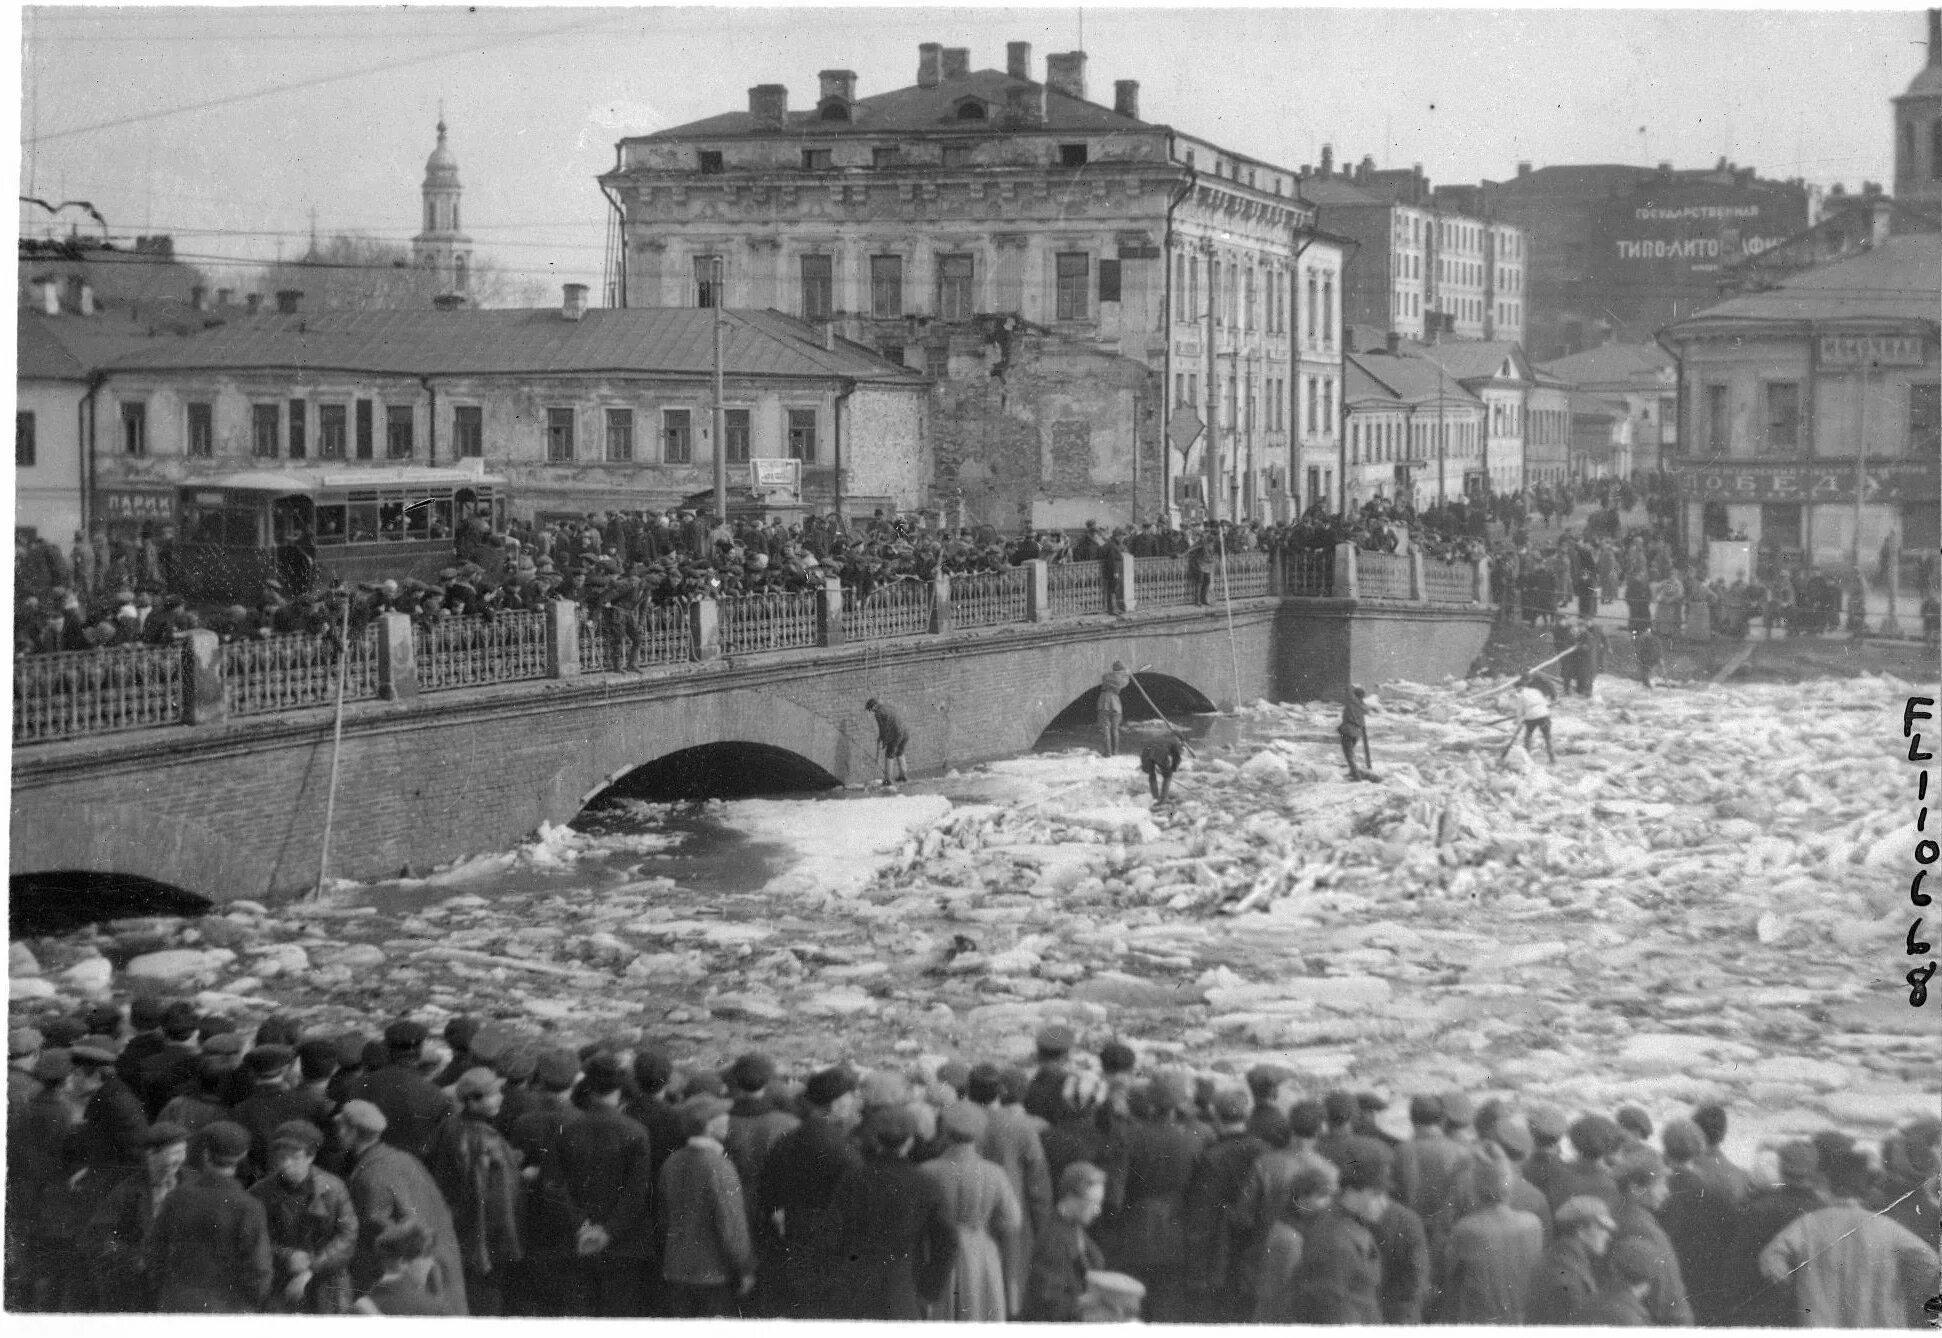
x=769, y=105
x=1065, y=72
x=1018, y=60
x=956, y=62
x=1126, y=98
x=837, y=84
x=1025, y=105
x=288, y=300
x=1328, y=161
x=575, y=304
x=929, y=56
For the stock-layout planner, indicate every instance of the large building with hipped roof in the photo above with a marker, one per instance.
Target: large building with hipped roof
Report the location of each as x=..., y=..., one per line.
x=1080, y=283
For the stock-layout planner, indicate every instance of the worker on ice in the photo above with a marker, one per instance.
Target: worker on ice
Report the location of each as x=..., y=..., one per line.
x=892, y=739
x=1651, y=654
x=1534, y=710
x=1159, y=760
x=1112, y=711
x=1354, y=728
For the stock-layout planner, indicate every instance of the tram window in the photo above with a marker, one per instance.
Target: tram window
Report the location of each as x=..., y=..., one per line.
x=364, y=522
x=441, y=513
x=418, y=522
x=391, y=520
x=204, y=527
x=330, y=524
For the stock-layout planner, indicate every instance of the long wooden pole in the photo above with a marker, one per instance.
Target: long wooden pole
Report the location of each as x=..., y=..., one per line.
x=336, y=746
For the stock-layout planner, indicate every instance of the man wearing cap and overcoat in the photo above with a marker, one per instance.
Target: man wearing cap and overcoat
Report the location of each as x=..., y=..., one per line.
x=313, y=1227
x=208, y=1251
x=413, y=1105
x=477, y=1171
x=896, y=1244
x=798, y=1184
x=388, y=1186
x=121, y=1222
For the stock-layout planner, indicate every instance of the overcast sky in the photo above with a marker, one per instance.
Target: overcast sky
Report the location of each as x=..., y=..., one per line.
x=227, y=127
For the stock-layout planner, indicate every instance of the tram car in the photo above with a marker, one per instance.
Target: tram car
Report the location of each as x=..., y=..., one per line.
x=308, y=528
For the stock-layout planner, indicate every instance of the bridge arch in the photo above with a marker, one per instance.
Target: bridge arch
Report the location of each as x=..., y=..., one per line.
x=1151, y=696
x=732, y=769
x=130, y=839
x=1165, y=668
x=59, y=901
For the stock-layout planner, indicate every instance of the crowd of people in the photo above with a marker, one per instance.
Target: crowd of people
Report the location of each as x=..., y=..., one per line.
x=165, y=1159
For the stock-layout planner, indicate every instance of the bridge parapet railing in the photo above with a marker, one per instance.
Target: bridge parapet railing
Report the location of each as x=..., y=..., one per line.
x=473, y=651
x=1446, y=582
x=284, y=673
x=1077, y=588
x=1308, y=573
x=901, y=608
x=73, y=694
x=990, y=598
x=1383, y=575
x=1247, y=574
x=617, y=638
x=750, y=624
x=1161, y=583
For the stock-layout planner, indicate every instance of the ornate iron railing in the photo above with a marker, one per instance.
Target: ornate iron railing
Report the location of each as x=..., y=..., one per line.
x=659, y=634
x=467, y=652
x=1308, y=573
x=1160, y=583
x=989, y=598
x=283, y=673
x=1247, y=575
x=1382, y=575
x=1449, y=582
x=754, y=623
x=70, y=694
x=1076, y=588
x=901, y=608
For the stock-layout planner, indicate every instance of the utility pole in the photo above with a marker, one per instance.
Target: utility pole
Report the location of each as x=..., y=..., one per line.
x=1441, y=432
x=1212, y=454
x=721, y=415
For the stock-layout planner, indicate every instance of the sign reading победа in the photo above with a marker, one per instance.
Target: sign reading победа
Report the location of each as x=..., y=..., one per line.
x=1822, y=481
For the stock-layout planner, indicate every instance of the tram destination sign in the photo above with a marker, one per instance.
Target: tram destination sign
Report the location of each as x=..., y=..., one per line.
x=1822, y=481
x=1872, y=350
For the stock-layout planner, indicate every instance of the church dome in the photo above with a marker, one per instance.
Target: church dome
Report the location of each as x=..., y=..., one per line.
x=442, y=169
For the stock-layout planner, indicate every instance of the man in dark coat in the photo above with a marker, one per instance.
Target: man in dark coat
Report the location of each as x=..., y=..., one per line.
x=892, y=739
x=1642, y=1186
x=1146, y=1236
x=208, y=1251
x=1700, y=1223
x=313, y=1228
x=389, y=1186
x=537, y=1284
x=1597, y=1141
x=1213, y=1248
x=797, y=1192
x=477, y=1171
x=121, y=1222
x=603, y=1170
x=1339, y=1277
x=1754, y=1302
x=413, y=1105
x=1565, y=1285
x=895, y=1242
x=1064, y=1254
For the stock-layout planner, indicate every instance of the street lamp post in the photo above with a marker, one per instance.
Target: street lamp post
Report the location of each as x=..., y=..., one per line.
x=721, y=413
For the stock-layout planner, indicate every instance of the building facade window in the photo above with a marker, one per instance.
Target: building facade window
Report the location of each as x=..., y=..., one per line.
x=708, y=280
x=1924, y=417
x=1072, y=155
x=468, y=432
x=677, y=437
x=735, y=435
x=1328, y=405
x=802, y=435
x=559, y=435
x=1247, y=317
x=816, y=160
x=1783, y=415
x=886, y=286
x=937, y=361
x=1314, y=402
x=709, y=161
x=1074, y=270
x=955, y=274
x=333, y=431
x=134, y=429
x=886, y=156
x=1109, y=280
x=25, y=447
x=266, y=425
x=202, y=430
x=397, y=431
x=620, y=436
x=299, y=420
x=364, y=431
x=957, y=155
x=818, y=287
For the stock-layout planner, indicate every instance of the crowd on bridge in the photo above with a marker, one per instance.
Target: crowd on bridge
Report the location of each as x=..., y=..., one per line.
x=161, y=1158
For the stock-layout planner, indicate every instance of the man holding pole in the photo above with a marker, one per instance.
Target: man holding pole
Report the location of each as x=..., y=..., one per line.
x=1355, y=728
x=892, y=739
x=1111, y=710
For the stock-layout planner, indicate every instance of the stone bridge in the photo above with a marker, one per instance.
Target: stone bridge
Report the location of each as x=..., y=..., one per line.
x=237, y=808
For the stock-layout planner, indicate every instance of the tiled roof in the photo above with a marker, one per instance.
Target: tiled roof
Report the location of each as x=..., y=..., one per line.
x=1900, y=279
x=1611, y=364
x=917, y=108
x=1410, y=379
x=524, y=342
x=1467, y=358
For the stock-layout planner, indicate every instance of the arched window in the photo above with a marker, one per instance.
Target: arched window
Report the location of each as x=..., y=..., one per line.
x=971, y=111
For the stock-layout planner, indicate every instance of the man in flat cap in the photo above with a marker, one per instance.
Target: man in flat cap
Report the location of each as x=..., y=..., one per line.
x=798, y=1182
x=1753, y=1301
x=478, y=1172
x=413, y=1105
x=122, y=1221
x=1492, y=1252
x=1565, y=1286
x=1641, y=1180
x=313, y=1227
x=538, y=1284
x=209, y=1249
x=388, y=1186
x=602, y=1172
x=270, y=1102
x=896, y=1244
x=1045, y=1097
x=755, y=1122
x=708, y=1261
